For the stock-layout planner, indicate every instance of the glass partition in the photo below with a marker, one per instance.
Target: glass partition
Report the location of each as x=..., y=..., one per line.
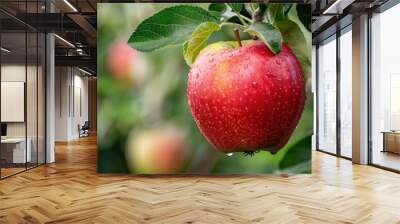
x=14, y=151
x=22, y=94
x=346, y=92
x=385, y=89
x=327, y=95
x=32, y=95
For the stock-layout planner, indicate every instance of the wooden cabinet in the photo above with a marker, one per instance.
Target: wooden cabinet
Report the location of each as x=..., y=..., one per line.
x=391, y=142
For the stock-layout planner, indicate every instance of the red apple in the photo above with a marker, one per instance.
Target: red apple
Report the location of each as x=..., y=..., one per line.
x=157, y=151
x=246, y=98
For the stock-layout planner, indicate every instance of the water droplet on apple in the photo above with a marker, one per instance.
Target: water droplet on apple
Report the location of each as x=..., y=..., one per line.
x=230, y=154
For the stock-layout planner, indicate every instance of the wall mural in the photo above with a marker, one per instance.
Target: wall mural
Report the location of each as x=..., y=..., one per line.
x=204, y=88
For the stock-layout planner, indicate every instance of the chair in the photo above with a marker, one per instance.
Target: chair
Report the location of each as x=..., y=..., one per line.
x=84, y=130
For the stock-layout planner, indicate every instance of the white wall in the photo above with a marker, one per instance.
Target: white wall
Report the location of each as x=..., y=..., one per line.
x=16, y=73
x=71, y=93
x=80, y=100
x=11, y=73
x=33, y=127
x=62, y=81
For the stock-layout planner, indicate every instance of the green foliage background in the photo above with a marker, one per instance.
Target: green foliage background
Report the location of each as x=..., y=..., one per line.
x=161, y=98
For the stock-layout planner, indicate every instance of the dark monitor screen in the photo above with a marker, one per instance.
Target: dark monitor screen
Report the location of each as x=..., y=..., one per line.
x=3, y=129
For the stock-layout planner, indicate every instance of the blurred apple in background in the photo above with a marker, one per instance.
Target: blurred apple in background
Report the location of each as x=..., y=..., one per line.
x=125, y=63
x=156, y=151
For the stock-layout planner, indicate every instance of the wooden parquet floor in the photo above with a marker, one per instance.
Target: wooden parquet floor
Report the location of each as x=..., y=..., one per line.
x=70, y=191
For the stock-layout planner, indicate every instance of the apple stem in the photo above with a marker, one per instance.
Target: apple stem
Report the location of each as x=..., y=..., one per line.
x=237, y=35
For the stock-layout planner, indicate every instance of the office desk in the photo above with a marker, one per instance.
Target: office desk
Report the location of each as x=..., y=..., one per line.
x=391, y=141
x=16, y=147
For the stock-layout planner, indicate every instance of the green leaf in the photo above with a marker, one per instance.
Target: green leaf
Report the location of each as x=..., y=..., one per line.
x=229, y=14
x=251, y=7
x=304, y=14
x=298, y=158
x=224, y=11
x=169, y=27
x=287, y=8
x=269, y=34
x=218, y=7
x=296, y=35
x=275, y=13
x=237, y=7
x=198, y=40
x=293, y=16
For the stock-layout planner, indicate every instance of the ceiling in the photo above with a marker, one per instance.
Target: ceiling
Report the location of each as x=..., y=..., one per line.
x=332, y=15
x=74, y=22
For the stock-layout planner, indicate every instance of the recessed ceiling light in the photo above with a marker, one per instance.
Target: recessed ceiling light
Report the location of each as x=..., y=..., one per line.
x=84, y=71
x=70, y=5
x=329, y=9
x=64, y=40
x=5, y=50
x=338, y=6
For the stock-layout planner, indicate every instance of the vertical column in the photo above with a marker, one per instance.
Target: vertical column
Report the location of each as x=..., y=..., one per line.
x=314, y=91
x=360, y=90
x=338, y=76
x=50, y=92
x=92, y=100
x=316, y=102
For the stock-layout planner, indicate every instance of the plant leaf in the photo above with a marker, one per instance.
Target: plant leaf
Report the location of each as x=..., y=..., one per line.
x=296, y=35
x=237, y=7
x=297, y=159
x=251, y=7
x=293, y=16
x=304, y=14
x=275, y=13
x=169, y=27
x=218, y=7
x=198, y=40
x=223, y=10
x=269, y=34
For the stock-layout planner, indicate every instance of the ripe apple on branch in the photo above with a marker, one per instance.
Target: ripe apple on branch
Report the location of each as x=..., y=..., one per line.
x=245, y=95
